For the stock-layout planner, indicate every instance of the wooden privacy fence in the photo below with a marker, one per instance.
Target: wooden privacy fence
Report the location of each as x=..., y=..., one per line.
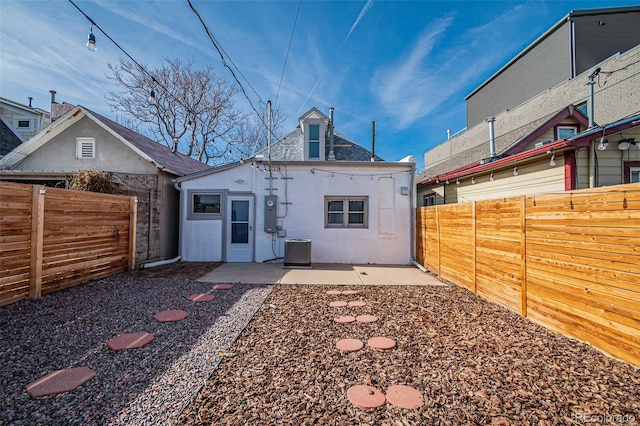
x=568, y=261
x=54, y=238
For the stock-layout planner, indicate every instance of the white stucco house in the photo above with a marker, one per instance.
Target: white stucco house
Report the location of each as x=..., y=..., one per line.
x=315, y=185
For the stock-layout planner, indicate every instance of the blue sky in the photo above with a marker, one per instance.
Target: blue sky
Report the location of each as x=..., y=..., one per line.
x=407, y=65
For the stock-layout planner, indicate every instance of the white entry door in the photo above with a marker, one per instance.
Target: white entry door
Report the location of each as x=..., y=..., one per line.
x=239, y=229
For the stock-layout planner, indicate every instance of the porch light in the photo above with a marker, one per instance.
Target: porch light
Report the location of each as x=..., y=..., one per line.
x=552, y=162
x=515, y=171
x=604, y=143
x=91, y=40
x=457, y=181
x=491, y=177
x=473, y=180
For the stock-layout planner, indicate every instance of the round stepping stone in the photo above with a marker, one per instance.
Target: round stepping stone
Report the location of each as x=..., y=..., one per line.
x=366, y=318
x=130, y=341
x=349, y=292
x=354, y=303
x=404, y=397
x=338, y=304
x=349, y=345
x=60, y=381
x=365, y=397
x=170, y=316
x=201, y=297
x=381, y=343
x=345, y=319
x=333, y=292
x=222, y=287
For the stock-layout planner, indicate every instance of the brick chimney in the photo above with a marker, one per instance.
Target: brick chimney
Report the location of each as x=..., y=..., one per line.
x=58, y=110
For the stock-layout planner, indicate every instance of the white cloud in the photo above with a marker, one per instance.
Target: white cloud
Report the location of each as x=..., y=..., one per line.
x=421, y=80
x=363, y=12
x=408, y=88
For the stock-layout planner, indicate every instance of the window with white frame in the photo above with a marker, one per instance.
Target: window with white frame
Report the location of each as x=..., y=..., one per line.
x=314, y=141
x=346, y=212
x=634, y=174
x=429, y=199
x=23, y=124
x=204, y=204
x=85, y=148
x=565, y=132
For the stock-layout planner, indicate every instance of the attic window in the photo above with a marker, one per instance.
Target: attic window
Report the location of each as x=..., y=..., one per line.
x=314, y=141
x=566, y=131
x=85, y=148
x=23, y=124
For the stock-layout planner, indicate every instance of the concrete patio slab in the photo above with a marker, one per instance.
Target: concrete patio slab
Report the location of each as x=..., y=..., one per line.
x=245, y=273
x=324, y=274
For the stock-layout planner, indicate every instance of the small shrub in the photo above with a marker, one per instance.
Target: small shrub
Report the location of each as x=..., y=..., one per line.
x=92, y=181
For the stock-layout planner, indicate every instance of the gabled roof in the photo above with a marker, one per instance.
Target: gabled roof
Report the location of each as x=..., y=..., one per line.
x=291, y=148
x=579, y=140
x=509, y=143
x=9, y=139
x=23, y=107
x=161, y=156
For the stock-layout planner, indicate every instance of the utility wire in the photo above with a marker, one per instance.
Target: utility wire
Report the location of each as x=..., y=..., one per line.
x=142, y=69
x=222, y=54
x=288, y=50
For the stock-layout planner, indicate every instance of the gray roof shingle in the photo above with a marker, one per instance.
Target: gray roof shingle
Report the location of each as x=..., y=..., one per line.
x=291, y=148
x=161, y=154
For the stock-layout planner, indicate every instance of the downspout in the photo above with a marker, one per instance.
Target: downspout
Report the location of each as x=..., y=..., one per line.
x=572, y=47
x=178, y=187
x=332, y=154
x=412, y=238
x=592, y=165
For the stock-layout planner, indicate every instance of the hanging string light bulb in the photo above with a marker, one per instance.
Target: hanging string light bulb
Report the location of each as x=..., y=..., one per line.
x=91, y=40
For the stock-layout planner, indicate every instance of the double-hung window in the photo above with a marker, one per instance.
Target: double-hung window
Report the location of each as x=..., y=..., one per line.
x=314, y=141
x=346, y=212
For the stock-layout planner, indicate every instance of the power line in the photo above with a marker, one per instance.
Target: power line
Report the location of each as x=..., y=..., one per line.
x=288, y=50
x=222, y=54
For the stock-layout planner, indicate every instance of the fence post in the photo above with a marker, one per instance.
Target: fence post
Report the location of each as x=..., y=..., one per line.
x=133, y=220
x=523, y=255
x=37, y=238
x=438, y=233
x=475, y=249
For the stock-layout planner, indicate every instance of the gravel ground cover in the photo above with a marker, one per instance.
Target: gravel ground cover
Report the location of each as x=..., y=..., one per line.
x=475, y=363
x=149, y=385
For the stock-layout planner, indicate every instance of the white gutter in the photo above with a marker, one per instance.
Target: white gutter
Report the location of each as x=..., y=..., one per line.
x=160, y=263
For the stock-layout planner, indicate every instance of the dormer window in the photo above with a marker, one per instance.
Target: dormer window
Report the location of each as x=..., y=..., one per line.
x=314, y=141
x=85, y=148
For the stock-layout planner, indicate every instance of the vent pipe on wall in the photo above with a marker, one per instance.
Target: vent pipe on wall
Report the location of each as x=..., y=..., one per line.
x=492, y=137
x=332, y=154
x=373, y=141
x=591, y=84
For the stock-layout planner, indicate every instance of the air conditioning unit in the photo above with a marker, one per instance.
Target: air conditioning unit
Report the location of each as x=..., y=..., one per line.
x=297, y=253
